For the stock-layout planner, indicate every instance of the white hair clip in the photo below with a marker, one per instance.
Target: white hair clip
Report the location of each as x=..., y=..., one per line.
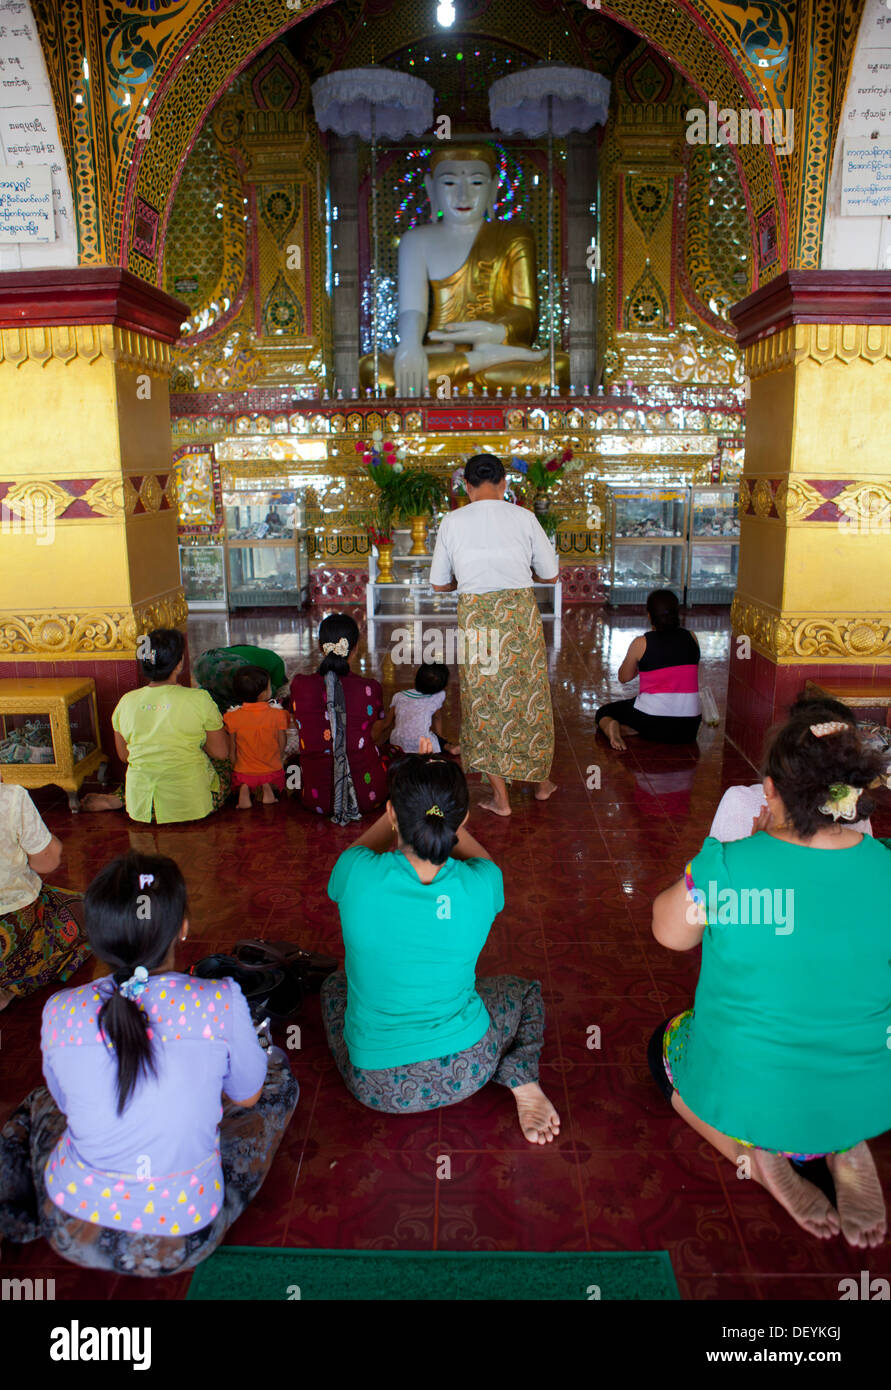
x=340, y=648
x=146, y=880
x=835, y=726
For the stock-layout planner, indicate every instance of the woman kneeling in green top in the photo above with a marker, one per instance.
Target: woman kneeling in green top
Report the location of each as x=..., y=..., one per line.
x=172, y=739
x=786, y=1047
x=410, y=1026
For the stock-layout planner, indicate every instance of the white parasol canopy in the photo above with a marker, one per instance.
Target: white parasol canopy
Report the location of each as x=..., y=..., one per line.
x=549, y=99
x=373, y=103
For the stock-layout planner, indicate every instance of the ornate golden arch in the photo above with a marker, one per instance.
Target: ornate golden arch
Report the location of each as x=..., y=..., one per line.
x=189, y=51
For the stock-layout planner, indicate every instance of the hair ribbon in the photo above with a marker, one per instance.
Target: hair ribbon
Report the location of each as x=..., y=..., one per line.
x=435, y=811
x=136, y=985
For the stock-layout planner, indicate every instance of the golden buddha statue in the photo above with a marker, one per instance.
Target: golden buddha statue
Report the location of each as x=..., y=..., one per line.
x=468, y=307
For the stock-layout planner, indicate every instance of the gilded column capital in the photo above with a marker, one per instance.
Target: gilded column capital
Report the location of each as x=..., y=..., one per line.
x=819, y=343
x=85, y=342
x=799, y=638
x=72, y=633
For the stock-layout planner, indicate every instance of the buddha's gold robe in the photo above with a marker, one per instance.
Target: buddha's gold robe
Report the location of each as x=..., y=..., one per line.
x=496, y=283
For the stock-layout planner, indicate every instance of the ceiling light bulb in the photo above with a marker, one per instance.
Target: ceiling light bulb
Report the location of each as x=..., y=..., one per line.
x=445, y=14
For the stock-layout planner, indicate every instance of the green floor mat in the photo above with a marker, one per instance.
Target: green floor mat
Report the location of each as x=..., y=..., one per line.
x=254, y=1273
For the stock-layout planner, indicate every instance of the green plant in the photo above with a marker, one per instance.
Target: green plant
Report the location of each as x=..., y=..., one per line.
x=415, y=492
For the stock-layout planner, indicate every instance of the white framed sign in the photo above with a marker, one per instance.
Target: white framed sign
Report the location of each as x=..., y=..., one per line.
x=26, y=204
x=866, y=178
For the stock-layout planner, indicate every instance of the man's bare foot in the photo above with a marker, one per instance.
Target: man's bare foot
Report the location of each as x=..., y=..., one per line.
x=101, y=801
x=612, y=729
x=539, y=1120
x=5, y=998
x=496, y=807
x=858, y=1194
x=269, y=797
x=545, y=789
x=804, y=1202
x=244, y=798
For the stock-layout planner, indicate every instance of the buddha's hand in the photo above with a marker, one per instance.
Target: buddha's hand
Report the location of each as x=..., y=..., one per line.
x=410, y=370
x=494, y=354
x=477, y=332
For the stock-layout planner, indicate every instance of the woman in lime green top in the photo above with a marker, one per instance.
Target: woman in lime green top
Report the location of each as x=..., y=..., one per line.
x=410, y=1026
x=785, y=1054
x=172, y=739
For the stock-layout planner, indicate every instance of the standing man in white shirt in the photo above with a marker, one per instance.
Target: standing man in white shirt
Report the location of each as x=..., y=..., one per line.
x=492, y=551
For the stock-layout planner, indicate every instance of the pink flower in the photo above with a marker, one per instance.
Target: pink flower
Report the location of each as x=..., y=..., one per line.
x=360, y=447
x=552, y=466
x=389, y=446
x=566, y=456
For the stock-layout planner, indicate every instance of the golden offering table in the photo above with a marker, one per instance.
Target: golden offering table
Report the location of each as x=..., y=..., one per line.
x=58, y=717
x=857, y=695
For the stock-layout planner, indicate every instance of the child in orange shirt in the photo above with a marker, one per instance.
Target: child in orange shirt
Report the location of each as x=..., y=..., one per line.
x=257, y=731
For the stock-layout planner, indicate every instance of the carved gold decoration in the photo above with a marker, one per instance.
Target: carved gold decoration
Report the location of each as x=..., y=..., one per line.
x=85, y=341
x=745, y=497
x=150, y=493
x=792, y=638
x=868, y=503
x=820, y=343
x=45, y=499
x=762, y=497
x=795, y=499
x=112, y=497
x=88, y=632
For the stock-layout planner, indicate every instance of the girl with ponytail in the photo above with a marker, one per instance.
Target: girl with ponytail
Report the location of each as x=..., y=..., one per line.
x=410, y=1026
x=342, y=773
x=127, y=1134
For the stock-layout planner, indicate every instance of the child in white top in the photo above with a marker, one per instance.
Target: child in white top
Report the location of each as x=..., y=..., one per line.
x=416, y=714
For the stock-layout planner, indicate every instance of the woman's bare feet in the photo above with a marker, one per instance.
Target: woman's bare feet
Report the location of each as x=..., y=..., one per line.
x=269, y=797
x=101, y=801
x=612, y=730
x=804, y=1202
x=545, y=789
x=858, y=1194
x=245, y=800
x=539, y=1120
x=497, y=807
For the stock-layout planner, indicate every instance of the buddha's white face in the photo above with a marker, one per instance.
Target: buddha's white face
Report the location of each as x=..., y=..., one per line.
x=462, y=190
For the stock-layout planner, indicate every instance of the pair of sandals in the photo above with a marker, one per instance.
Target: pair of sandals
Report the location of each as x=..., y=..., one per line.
x=274, y=976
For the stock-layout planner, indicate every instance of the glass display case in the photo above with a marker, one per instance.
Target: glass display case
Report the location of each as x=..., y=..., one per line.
x=714, y=544
x=645, y=512
x=649, y=542
x=713, y=570
x=268, y=573
x=640, y=567
x=262, y=515
x=49, y=733
x=203, y=572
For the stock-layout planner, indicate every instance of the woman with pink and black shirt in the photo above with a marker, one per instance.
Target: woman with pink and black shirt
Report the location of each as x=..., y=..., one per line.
x=666, y=660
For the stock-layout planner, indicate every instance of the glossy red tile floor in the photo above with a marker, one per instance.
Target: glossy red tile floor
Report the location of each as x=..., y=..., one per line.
x=580, y=873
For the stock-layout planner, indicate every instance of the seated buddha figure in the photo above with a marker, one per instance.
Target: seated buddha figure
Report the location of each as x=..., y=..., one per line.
x=468, y=308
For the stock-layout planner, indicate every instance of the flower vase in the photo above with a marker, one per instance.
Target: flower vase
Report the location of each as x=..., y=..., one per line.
x=385, y=563
x=541, y=503
x=418, y=527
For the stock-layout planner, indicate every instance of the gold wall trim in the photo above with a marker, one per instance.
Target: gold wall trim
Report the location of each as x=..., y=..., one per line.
x=81, y=632
x=86, y=342
x=820, y=343
x=793, y=638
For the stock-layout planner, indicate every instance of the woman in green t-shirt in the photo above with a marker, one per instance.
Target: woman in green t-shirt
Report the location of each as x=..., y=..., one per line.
x=784, y=1057
x=172, y=739
x=410, y=1026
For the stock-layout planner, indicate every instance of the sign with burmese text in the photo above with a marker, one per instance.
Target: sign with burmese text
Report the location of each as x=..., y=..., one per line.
x=866, y=178
x=26, y=204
